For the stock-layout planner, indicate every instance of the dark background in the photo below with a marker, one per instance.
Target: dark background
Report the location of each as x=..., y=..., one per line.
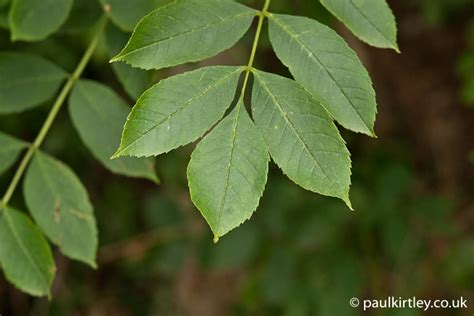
x=412, y=233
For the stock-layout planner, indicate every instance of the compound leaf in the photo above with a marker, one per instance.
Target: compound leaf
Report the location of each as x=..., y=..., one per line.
x=178, y=110
x=321, y=61
x=372, y=21
x=32, y=20
x=228, y=171
x=25, y=255
x=59, y=203
x=10, y=148
x=133, y=80
x=98, y=115
x=26, y=81
x=186, y=31
x=301, y=136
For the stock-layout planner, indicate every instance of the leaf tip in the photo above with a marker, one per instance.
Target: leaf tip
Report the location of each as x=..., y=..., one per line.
x=216, y=239
x=117, y=154
x=348, y=202
x=93, y=265
x=155, y=179
x=116, y=59
x=371, y=132
x=91, y=262
x=395, y=47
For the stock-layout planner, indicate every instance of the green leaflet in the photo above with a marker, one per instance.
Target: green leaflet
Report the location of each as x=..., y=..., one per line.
x=33, y=20
x=178, y=110
x=98, y=115
x=321, y=61
x=25, y=255
x=133, y=80
x=59, y=203
x=370, y=20
x=20, y=72
x=126, y=14
x=301, y=137
x=10, y=148
x=228, y=171
x=162, y=39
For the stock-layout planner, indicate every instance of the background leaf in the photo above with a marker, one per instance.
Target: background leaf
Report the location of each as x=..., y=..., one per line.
x=162, y=39
x=98, y=115
x=26, y=257
x=60, y=205
x=133, y=80
x=301, y=137
x=371, y=21
x=32, y=20
x=84, y=14
x=26, y=81
x=228, y=171
x=126, y=14
x=4, y=17
x=10, y=148
x=178, y=110
x=328, y=68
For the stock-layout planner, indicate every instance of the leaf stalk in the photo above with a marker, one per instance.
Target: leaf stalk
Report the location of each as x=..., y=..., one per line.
x=261, y=17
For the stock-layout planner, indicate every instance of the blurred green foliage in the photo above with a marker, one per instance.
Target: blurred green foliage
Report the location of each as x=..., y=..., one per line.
x=300, y=255
x=437, y=12
x=441, y=12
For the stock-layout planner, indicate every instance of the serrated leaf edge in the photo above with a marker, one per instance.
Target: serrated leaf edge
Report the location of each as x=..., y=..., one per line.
x=120, y=151
x=345, y=196
x=393, y=45
x=218, y=235
x=369, y=130
x=123, y=54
